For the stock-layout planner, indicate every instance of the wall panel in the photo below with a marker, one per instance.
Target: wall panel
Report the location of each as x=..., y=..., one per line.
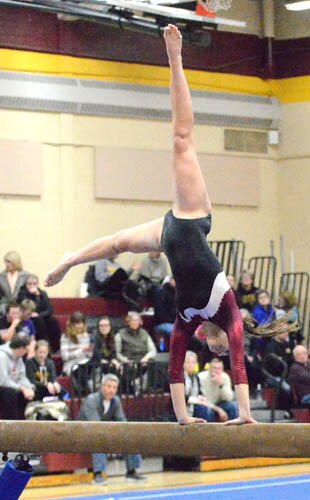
x=20, y=168
x=129, y=174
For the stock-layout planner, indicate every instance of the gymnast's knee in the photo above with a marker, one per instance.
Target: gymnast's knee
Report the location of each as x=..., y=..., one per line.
x=120, y=242
x=181, y=142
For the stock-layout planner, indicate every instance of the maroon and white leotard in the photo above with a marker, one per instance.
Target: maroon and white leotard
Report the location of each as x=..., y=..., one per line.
x=202, y=293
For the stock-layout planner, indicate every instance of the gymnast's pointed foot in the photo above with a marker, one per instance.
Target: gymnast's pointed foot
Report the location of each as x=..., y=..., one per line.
x=57, y=273
x=173, y=39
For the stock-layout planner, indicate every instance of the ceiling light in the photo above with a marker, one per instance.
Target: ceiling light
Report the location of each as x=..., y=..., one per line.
x=305, y=5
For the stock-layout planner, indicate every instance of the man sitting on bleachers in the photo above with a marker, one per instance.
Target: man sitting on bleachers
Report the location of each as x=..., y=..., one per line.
x=217, y=391
x=299, y=376
x=16, y=390
x=106, y=406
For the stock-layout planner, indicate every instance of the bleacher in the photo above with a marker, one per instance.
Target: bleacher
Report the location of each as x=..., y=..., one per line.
x=157, y=406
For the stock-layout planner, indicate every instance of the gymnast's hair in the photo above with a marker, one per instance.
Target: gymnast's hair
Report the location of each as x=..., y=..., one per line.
x=272, y=329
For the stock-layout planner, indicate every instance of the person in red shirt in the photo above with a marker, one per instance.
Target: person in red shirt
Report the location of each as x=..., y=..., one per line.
x=299, y=376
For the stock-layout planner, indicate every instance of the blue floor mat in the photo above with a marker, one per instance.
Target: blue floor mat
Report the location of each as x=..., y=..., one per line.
x=280, y=488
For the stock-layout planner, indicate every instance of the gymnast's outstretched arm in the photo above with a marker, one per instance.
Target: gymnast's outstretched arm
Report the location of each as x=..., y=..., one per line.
x=138, y=239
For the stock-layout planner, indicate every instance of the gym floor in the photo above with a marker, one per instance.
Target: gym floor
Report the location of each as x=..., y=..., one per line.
x=263, y=483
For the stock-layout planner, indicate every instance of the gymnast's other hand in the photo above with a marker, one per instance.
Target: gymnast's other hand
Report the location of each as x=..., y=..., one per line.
x=241, y=421
x=191, y=420
x=58, y=272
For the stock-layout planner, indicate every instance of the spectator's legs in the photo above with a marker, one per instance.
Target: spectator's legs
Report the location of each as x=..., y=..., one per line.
x=231, y=409
x=54, y=333
x=133, y=462
x=41, y=328
x=99, y=462
x=12, y=404
x=201, y=411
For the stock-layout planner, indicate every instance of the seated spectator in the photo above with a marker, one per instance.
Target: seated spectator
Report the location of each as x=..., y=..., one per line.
x=41, y=372
x=194, y=406
x=280, y=346
x=110, y=277
x=165, y=309
x=263, y=312
x=287, y=302
x=109, y=280
x=299, y=375
x=12, y=278
x=106, y=406
x=216, y=389
x=104, y=344
x=232, y=283
x=134, y=349
x=133, y=343
x=27, y=308
x=16, y=390
x=153, y=270
x=10, y=324
x=46, y=325
x=75, y=343
x=246, y=291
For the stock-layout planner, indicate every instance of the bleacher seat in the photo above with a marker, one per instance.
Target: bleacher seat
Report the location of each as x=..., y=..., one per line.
x=301, y=415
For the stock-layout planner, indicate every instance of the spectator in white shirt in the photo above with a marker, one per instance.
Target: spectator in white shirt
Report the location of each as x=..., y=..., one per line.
x=75, y=343
x=217, y=393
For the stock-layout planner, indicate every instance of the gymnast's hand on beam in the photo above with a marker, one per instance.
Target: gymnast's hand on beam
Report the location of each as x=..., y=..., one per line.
x=241, y=421
x=58, y=272
x=191, y=420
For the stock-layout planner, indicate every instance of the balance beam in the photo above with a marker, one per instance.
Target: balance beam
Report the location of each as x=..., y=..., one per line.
x=156, y=439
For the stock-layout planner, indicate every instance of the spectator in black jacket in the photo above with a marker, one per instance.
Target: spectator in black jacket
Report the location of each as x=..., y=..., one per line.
x=246, y=292
x=41, y=372
x=165, y=309
x=46, y=325
x=10, y=323
x=104, y=344
x=281, y=347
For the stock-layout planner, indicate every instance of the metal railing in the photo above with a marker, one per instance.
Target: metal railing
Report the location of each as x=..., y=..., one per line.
x=143, y=388
x=230, y=253
x=264, y=270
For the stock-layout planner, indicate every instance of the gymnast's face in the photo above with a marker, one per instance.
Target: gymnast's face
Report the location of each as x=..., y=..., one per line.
x=216, y=339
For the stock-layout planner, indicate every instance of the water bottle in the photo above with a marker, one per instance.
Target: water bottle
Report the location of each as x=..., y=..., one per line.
x=162, y=344
x=259, y=391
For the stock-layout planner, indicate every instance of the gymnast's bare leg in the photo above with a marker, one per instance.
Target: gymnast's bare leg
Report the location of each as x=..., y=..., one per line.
x=138, y=239
x=191, y=199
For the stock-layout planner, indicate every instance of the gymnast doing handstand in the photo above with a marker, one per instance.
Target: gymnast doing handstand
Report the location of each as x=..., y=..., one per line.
x=203, y=295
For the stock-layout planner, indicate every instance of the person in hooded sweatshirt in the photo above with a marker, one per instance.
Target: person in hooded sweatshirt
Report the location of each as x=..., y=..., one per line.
x=16, y=390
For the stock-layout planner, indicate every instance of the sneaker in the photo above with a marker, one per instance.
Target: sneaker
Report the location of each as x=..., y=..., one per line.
x=98, y=479
x=134, y=476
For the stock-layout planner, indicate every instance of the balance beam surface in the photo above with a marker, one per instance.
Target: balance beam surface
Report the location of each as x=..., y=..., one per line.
x=157, y=439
